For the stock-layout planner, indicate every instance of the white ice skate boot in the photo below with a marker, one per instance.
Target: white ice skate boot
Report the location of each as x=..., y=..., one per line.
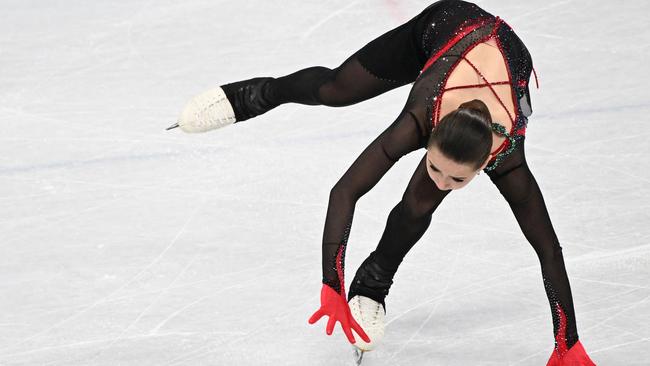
x=370, y=315
x=225, y=105
x=206, y=111
x=366, y=299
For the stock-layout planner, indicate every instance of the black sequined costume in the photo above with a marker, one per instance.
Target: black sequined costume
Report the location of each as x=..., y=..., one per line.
x=423, y=51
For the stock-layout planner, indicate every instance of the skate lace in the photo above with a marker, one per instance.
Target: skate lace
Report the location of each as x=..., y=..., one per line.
x=212, y=110
x=373, y=320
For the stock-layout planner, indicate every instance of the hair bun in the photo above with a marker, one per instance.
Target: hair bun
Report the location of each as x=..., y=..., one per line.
x=478, y=106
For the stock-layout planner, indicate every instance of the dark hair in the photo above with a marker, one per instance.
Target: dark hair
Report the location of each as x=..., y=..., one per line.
x=465, y=135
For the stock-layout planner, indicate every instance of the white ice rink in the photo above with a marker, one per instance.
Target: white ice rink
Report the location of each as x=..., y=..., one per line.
x=124, y=244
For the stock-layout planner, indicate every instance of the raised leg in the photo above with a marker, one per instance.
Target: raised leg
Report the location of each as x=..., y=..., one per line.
x=389, y=61
x=348, y=84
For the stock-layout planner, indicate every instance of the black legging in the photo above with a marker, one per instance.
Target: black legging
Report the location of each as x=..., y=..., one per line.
x=345, y=85
x=389, y=61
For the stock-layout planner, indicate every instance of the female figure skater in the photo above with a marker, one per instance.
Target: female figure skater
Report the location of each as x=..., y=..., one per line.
x=468, y=107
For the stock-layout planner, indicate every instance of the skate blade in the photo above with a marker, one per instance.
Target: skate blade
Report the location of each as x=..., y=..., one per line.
x=358, y=355
x=172, y=127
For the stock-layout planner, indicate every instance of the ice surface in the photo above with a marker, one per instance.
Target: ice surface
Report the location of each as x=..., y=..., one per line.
x=125, y=244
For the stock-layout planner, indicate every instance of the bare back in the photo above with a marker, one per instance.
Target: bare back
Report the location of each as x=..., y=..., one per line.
x=487, y=57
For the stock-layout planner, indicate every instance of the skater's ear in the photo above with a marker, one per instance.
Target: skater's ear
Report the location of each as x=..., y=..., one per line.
x=484, y=164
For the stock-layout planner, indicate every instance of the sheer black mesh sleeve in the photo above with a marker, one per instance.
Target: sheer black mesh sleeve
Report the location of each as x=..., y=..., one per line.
x=404, y=135
x=516, y=183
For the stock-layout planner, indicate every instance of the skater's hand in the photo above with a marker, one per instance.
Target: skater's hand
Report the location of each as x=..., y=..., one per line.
x=575, y=356
x=336, y=308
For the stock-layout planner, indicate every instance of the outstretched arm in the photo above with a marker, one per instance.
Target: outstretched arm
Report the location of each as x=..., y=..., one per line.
x=518, y=186
x=401, y=137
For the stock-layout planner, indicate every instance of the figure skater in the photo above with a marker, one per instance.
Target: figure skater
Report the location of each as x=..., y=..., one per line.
x=468, y=106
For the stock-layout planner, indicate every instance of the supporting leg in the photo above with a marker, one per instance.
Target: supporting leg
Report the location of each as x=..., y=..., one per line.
x=406, y=224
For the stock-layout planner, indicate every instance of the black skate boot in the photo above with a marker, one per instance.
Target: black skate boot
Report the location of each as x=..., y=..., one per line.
x=222, y=106
x=250, y=98
x=371, y=281
x=366, y=300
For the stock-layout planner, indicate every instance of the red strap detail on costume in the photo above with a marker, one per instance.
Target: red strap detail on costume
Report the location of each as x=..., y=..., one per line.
x=521, y=82
x=449, y=44
x=445, y=48
x=478, y=85
x=339, y=268
x=560, y=338
x=504, y=145
x=489, y=85
x=514, y=98
x=436, y=118
x=452, y=42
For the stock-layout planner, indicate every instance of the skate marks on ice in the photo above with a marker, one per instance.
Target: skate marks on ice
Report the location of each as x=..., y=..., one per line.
x=324, y=20
x=67, y=97
x=357, y=354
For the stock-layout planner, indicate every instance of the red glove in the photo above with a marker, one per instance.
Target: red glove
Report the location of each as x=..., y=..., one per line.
x=575, y=356
x=335, y=306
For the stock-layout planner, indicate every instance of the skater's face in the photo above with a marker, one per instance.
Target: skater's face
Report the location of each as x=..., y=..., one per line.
x=446, y=173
